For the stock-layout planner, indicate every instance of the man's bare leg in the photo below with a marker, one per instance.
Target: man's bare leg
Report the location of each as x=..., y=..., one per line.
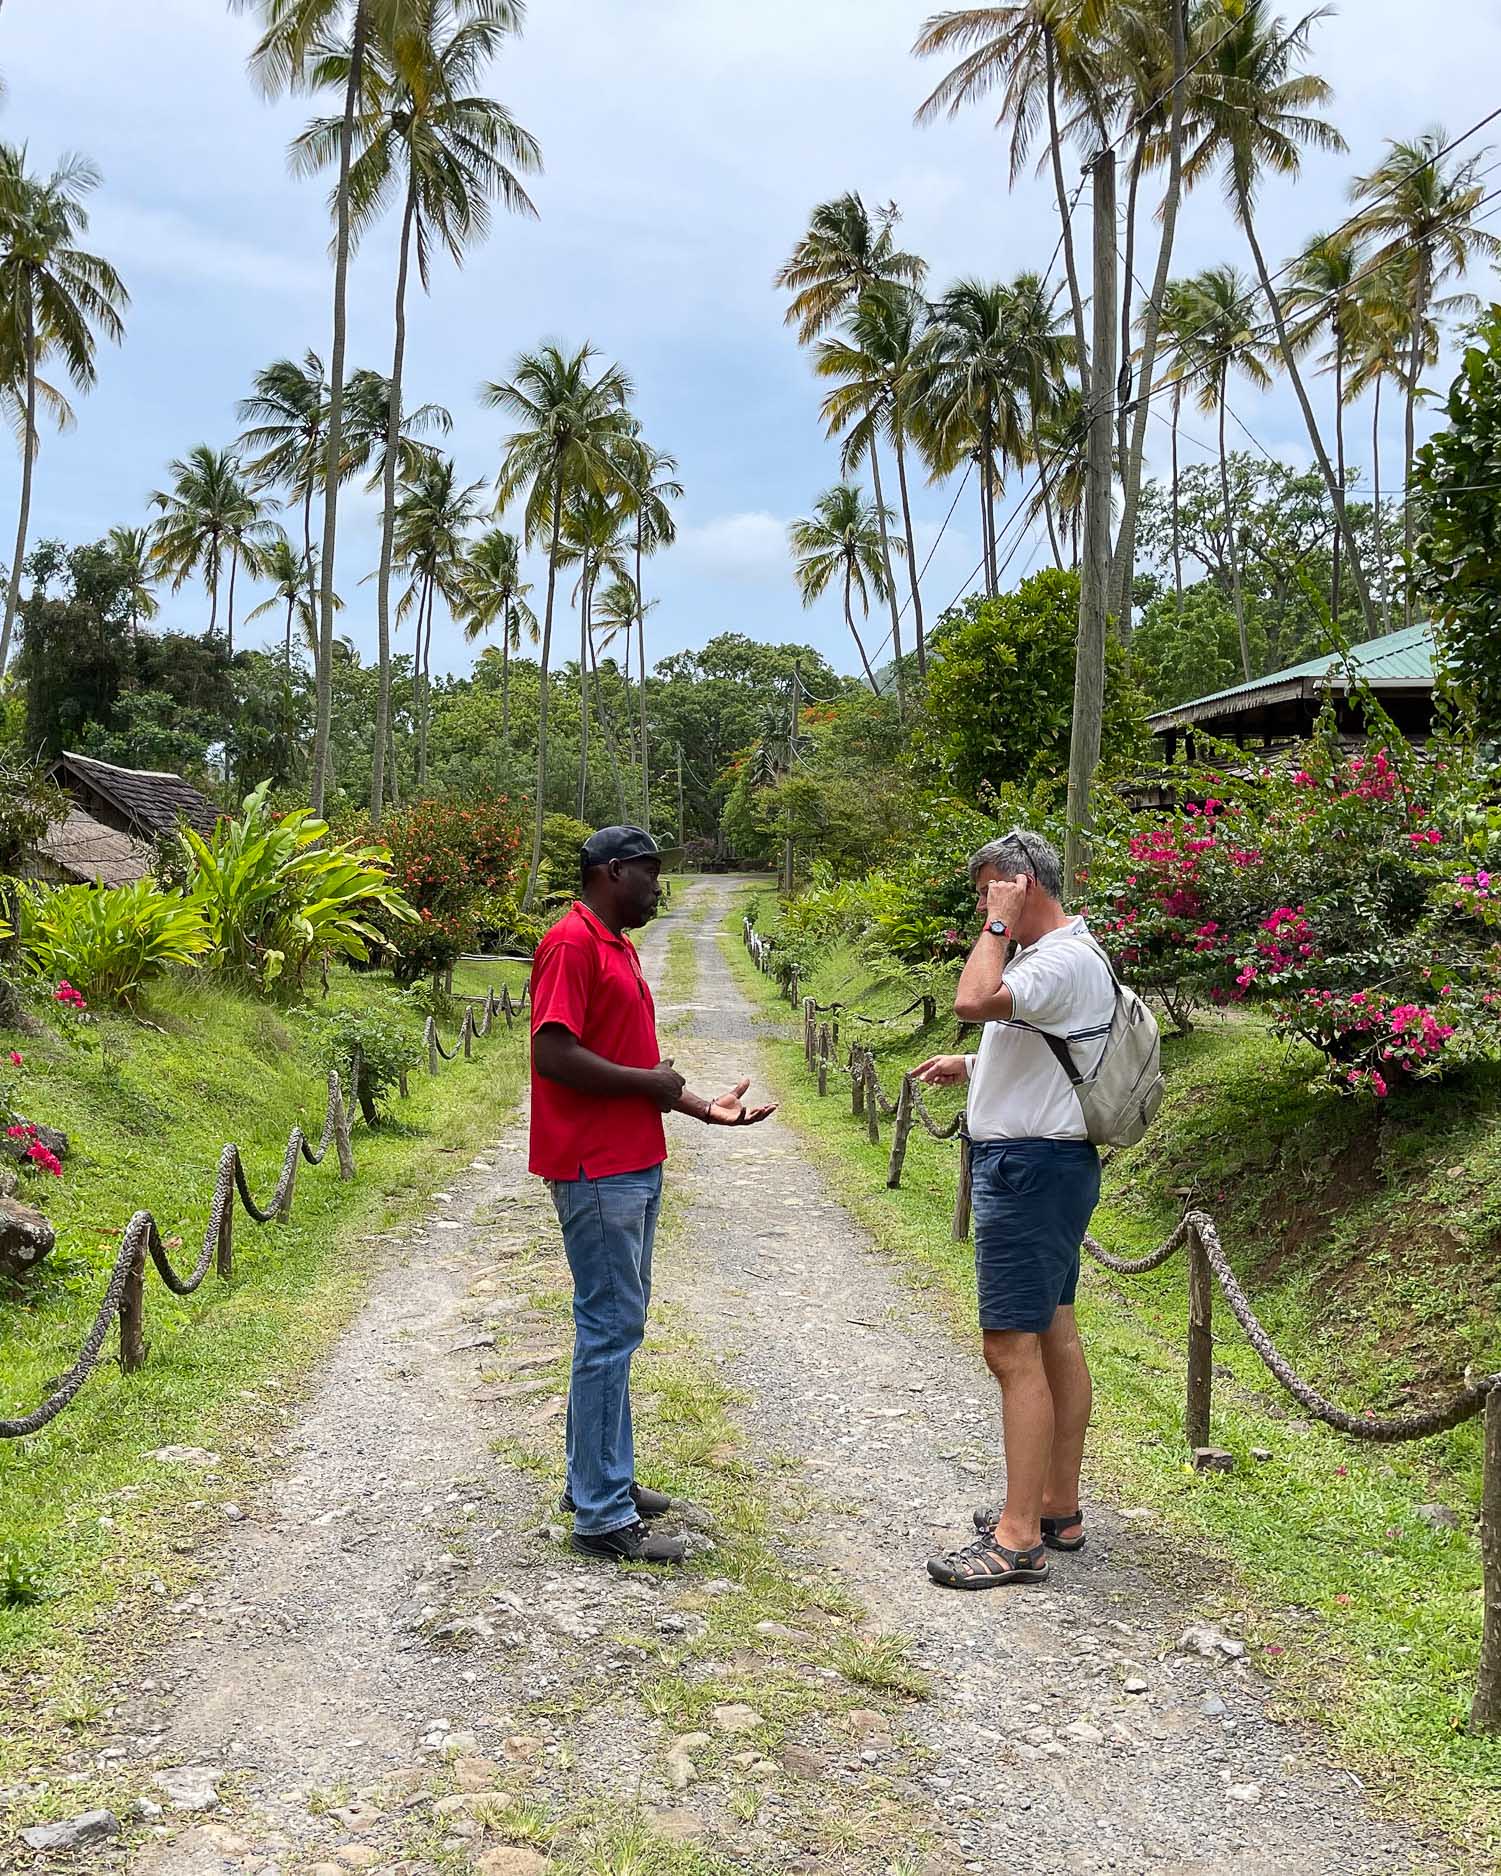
x=1072, y=1393
x=1015, y=1359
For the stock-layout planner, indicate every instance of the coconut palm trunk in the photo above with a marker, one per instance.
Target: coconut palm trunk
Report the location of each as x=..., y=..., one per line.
x=541, y=802
x=896, y=611
x=1128, y=281
x=849, y=620
x=505, y=681
x=919, y=634
x=641, y=662
x=213, y=587
x=1046, y=489
x=234, y=567
x=1339, y=450
x=1070, y=265
x=1386, y=596
x=1124, y=568
x=1284, y=346
x=388, y=507
x=1414, y=373
x=607, y=729
x=1176, y=502
x=324, y=655
x=1231, y=539
x=23, y=520
x=423, y=641
x=583, y=692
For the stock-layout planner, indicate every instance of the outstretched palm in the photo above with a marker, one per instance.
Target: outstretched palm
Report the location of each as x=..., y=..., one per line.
x=729, y=1110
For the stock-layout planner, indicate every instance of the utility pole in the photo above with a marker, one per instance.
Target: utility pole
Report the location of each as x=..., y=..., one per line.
x=682, y=825
x=1094, y=586
x=787, y=861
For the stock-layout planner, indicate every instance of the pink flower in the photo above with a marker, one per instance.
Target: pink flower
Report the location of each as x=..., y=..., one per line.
x=16, y=1058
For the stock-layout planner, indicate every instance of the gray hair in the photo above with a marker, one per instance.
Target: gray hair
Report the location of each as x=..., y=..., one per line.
x=1021, y=851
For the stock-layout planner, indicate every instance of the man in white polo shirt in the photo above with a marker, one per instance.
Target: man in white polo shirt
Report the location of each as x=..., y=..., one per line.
x=1036, y=1180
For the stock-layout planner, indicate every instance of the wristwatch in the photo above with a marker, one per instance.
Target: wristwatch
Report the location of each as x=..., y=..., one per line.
x=998, y=928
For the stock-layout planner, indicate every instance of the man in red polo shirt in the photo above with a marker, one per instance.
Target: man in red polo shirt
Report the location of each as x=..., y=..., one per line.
x=599, y=1090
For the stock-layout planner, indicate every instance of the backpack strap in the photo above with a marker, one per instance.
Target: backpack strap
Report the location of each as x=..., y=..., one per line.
x=1062, y=1054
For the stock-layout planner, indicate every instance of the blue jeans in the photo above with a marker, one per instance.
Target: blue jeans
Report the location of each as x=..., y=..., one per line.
x=608, y=1228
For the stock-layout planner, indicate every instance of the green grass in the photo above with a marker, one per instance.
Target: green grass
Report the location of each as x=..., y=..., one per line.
x=472, y=980
x=1372, y=1261
x=87, y=1521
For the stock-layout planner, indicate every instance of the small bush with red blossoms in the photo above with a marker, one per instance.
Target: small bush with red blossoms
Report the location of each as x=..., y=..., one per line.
x=449, y=859
x=19, y=1137
x=1350, y=898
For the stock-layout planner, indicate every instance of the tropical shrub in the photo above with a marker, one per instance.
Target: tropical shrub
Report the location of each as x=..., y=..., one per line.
x=562, y=836
x=104, y=942
x=1349, y=896
x=448, y=862
x=387, y=1038
x=1000, y=696
x=273, y=896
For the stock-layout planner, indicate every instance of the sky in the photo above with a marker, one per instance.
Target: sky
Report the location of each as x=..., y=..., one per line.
x=684, y=142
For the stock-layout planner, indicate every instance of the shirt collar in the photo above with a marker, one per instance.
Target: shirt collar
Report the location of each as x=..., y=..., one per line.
x=597, y=925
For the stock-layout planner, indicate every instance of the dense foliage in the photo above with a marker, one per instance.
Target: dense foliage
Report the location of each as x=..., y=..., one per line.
x=451, y=865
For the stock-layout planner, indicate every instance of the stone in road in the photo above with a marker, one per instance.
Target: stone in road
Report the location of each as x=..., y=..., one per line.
x=398, y=1601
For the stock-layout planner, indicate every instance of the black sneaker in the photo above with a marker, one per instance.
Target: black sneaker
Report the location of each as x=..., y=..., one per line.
x=649, y=1504
x=631, y=1544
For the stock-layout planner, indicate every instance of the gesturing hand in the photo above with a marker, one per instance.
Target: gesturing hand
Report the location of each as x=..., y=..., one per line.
x=729, y=1110
x=664, y=1085
x=939, y=1070
x=1004, y=899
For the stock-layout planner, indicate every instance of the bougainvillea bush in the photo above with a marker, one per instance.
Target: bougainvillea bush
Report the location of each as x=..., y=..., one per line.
x=1348, y=895
x=450, y=861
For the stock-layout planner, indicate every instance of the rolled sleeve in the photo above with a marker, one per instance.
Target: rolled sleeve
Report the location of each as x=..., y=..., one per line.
x=561, y=981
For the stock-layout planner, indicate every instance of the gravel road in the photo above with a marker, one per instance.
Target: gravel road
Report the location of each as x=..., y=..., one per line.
x=397, y=1609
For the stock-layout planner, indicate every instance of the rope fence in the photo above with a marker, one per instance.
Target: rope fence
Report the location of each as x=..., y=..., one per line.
x=124, y=1297
x=1197, y=1235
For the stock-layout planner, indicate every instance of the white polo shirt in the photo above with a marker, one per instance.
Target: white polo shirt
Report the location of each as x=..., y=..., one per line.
x=1017, y=1090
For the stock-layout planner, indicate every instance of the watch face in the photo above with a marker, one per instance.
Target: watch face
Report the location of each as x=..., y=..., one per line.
x=998, y=926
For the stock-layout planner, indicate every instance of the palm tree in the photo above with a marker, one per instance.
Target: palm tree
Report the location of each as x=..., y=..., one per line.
x=249, y=530
x=614, y=616
x=1252, y=110
x=54, y=298
x=593, y=540
x=201, y=513
x=841, y=539
x=970, y=386
x=445, y=152
x=132, y=550
x=1223, y=336
x=1178, y=323
x=874, y=368
x=843, y=254
x=295, y=34
x=1062, y=445
x=1423, y=213
x=294, y=584
x=287, y=418
x=367, y=403
x=433, y=517
x=1038, y=53
x=650, y=486
x=1325, y=291
x=495, y=595
x=571, y=429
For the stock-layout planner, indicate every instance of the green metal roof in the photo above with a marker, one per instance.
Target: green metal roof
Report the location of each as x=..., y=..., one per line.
x=1401, y=659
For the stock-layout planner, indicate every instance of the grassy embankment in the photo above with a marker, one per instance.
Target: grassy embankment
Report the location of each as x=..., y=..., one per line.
x=1367, y=1241
x=95, y=1535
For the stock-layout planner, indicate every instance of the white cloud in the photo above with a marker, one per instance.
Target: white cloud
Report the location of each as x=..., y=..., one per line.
x=164, y=241
x=748, y=547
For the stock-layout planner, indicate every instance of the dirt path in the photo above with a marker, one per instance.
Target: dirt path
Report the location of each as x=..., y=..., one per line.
x=397, y=1665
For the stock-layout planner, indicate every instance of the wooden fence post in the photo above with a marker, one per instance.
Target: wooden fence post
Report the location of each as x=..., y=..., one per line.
x=857, y=1082
x=929, y=1011
x=962, y=1193
x=823, y=1058
x=901, y=1129
x=133, y=1313
x=507, y=1009
x=432, y=1045
x=1200, y=1342
x=448, y=981
x=1485, y=1711
x=466, y=1032
x=872, y=1100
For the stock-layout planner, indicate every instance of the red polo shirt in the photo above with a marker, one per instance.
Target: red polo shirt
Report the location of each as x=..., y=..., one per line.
x=590, y=981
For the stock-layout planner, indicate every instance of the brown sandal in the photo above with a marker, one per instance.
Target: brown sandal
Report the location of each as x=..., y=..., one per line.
x=985, y=1564
x=987, y=1517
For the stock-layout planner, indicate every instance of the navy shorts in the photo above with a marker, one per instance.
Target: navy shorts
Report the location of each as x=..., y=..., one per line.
x=1032, y=1201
